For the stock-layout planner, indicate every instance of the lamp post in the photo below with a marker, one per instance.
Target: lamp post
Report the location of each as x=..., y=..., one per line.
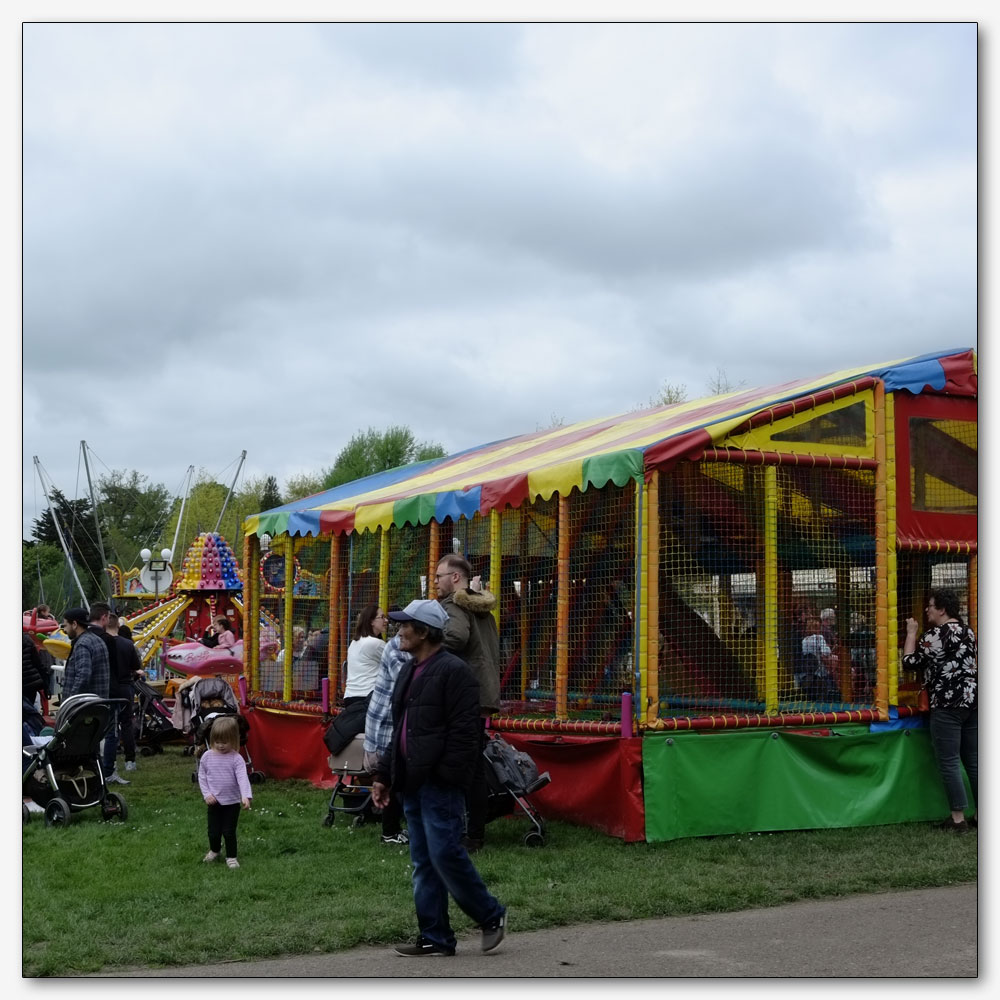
x=158, y=568
x=155, y=570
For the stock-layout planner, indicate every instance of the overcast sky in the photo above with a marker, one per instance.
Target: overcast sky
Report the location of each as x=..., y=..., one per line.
x=270, y=236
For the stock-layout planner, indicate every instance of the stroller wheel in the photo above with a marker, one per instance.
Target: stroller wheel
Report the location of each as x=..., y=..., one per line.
x=146, y=751
x=256, y=777
x=114, y=806
x=57, y=812
x=25, y=814
x=327, y=819
x=534, y=839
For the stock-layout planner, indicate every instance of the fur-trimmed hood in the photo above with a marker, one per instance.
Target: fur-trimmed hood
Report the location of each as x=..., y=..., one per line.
x=481, y=603
x=471, y=634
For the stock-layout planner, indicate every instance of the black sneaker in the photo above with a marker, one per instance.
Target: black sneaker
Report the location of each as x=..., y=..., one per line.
x=422, y=947
x=472, y=844
x=396, y=838
x=493, y=932
x=952, y=827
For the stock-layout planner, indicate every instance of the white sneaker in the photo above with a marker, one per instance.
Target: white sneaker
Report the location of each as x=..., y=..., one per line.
x=130, y=765
x=114, y=779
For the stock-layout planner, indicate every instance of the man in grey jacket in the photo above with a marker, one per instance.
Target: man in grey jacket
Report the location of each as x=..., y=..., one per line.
x=471, y=633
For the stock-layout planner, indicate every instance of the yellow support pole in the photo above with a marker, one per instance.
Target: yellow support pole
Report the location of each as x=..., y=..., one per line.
x=886, y=639
x=433, y=557
x=650, y=663
x=383, y=568
x=289, y=549
x=768, y=628
x=333, y=659
x=496, y=554
x=562, y=611
x=251, y=613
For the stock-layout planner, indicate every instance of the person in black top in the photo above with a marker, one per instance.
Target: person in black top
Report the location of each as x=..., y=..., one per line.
x=100, y=615
x=947, y=659
x=129, y=670
x=33, y=678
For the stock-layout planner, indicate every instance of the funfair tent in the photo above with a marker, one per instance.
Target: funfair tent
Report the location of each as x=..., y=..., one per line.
x=586, y=454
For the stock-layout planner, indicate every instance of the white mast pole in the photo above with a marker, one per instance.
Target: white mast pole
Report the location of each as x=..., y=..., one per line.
x=177, y=530
x=97, y=520
x=243, y=456
x=59, y=532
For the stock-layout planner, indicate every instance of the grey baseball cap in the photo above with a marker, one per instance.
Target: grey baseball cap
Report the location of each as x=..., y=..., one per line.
x=426, y=612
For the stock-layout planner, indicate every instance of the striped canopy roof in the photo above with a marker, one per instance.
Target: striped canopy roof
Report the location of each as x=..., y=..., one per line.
x=589, y=453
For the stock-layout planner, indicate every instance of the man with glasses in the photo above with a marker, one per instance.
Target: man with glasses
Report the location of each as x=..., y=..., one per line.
x=471, y=633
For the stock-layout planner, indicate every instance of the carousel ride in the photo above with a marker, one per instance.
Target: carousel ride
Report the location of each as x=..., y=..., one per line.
x=177, y=612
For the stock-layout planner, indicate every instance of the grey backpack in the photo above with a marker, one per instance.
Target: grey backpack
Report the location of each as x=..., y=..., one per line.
x=513, y=770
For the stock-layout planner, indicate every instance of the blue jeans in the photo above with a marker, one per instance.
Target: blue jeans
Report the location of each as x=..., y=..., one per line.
x=435, y=817
x=955, y=736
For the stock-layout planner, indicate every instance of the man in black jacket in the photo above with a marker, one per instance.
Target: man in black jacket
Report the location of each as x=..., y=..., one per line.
x=430, y=763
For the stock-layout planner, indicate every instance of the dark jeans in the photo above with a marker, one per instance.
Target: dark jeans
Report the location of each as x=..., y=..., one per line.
x=392, y=816
x=123, y=718
x=441, y=865
x=477, y=797
x=222, y=822
x=955, y=736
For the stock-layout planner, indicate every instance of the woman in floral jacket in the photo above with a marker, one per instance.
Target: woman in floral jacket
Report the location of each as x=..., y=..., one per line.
x=946, y=657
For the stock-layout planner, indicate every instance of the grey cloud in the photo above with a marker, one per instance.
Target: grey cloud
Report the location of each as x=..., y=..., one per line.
x=460, y=56
x=281, y=234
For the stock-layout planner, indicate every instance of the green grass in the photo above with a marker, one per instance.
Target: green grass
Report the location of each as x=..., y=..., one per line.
x=136, y=894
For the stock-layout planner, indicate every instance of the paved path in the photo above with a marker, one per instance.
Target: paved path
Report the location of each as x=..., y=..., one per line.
x=922, y=932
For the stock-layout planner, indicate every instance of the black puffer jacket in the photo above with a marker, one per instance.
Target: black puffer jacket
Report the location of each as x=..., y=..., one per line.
x=441, y=708
x=33, y=677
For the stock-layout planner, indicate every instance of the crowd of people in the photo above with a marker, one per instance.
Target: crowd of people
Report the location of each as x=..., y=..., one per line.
x=421, y=698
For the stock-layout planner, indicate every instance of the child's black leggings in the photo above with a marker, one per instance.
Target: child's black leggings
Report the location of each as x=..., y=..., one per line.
x=222, y=822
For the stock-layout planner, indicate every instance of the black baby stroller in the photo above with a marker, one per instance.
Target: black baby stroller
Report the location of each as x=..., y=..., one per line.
x=209, y=699
x=153, y=722
x=352, y=784
x=511, y=776
x=65, y=773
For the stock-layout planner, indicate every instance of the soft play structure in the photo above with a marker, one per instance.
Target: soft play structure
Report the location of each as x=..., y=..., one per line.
x=700, y=605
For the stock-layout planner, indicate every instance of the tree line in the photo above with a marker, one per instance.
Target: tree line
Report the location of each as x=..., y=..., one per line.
x=134, y=513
